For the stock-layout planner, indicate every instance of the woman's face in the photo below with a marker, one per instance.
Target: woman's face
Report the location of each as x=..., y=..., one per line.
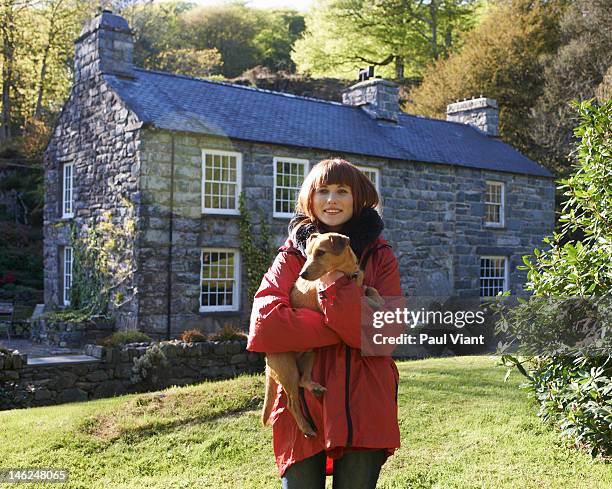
x=333, y=205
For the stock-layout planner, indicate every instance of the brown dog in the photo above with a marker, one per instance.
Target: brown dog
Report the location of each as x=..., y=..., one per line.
x=292, y=370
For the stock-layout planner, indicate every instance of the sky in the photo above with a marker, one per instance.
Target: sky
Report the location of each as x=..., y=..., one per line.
x=301, y=5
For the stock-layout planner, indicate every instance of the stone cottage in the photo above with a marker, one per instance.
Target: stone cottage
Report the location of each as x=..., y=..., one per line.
x=460, y=206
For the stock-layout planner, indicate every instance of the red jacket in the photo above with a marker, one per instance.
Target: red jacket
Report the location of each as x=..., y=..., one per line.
x=359, y=408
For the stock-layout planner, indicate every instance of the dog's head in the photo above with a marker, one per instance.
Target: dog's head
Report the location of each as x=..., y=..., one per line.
x=328, y=252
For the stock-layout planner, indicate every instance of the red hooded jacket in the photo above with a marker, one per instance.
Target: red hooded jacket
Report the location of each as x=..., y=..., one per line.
x=359, y=409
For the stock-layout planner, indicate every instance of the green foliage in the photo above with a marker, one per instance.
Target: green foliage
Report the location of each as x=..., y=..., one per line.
x=574, y=394
x=66, y=315
x=149, y=367
x=119, y=338
x=279, y=30
x=563, y=330
x=257, y=254
x=396, y=35
x=581, y=267
x=103, y=263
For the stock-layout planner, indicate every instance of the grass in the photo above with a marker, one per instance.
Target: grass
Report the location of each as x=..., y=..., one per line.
x=462, y=427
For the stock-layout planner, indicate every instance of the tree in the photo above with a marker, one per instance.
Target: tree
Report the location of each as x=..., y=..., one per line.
x=279, y=30
x=192, y=62
x=157, y=28
x=574, y=71
x=231, y=29
x=10, y=12
x=502, y=59
x=396, y=35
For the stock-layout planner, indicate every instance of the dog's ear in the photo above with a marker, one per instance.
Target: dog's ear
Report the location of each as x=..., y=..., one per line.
x=338, y=243
x=310, y=241
x=312, y=236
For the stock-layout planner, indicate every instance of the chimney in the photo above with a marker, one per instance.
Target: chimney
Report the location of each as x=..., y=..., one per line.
x=481, y=113
x=105, y=45
x=378, y=97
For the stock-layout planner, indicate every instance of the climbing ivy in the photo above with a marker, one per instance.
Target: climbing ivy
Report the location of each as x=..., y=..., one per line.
x=103, y=263
x=257, y=252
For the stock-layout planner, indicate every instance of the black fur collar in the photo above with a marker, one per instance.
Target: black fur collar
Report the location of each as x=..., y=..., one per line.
x=362, y=230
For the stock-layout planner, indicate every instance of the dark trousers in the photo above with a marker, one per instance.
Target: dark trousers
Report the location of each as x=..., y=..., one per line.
x=355, y=470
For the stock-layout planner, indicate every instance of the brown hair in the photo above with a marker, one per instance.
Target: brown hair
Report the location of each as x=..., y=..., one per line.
x=339, y=172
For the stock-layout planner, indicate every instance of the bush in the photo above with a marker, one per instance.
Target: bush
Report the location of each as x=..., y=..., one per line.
x=227, y=333
x=120, y=338
x=148, y=368
x=574, y=394
x=66, y=315
x=563, y=330
x=193, y=336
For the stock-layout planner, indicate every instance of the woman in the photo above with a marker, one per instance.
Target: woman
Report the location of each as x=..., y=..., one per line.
x=356, y=419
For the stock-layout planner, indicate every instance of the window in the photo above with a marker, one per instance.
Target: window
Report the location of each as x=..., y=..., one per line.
x=67, y=190
x=493, y=275
x=67, y=277
x=220, y=280
x=373, y=174
x=494, y=204
x=289, y=174
x=221, y=182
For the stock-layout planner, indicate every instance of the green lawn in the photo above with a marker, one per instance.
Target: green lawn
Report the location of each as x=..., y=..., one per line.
x=462, y=427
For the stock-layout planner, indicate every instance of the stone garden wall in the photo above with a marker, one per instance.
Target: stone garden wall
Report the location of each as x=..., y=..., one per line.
x=113, y=373
x=68, y=334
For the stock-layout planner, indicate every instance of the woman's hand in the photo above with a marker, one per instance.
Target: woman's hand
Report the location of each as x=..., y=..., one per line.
x=329, y=278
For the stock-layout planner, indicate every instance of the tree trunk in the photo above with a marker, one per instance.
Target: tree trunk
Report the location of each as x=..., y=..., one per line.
x=433, y=10
x=399, y=68
x=41, y=83
x=7, y=76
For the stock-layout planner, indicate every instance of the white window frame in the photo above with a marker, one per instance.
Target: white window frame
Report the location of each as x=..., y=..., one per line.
x=236, y=289
x=275, y=160
x=374, y=170
x=68, y=191
x=502, y=218
x=67, y=282
x=211, y=210
x=506, y=274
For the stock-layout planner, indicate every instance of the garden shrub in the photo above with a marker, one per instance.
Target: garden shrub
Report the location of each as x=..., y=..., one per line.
x=561, y=337
x=148, y=368
x=227, y=333
x=193, y=336
x=120, y=338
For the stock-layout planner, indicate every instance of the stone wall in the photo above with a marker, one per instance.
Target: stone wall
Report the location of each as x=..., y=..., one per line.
x=24, y=385
x=433, y=216
x=69, y=334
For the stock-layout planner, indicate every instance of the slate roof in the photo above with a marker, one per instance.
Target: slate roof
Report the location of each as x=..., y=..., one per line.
x=183, y=103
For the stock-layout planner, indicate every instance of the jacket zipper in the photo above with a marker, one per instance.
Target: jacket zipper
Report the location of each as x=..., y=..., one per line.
x=349, y=421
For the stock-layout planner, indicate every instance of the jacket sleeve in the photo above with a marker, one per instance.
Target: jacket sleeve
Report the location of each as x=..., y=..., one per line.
x=348, y=315
x=276, y=326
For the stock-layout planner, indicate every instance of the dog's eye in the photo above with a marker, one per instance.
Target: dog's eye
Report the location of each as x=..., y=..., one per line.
x=319, y=253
